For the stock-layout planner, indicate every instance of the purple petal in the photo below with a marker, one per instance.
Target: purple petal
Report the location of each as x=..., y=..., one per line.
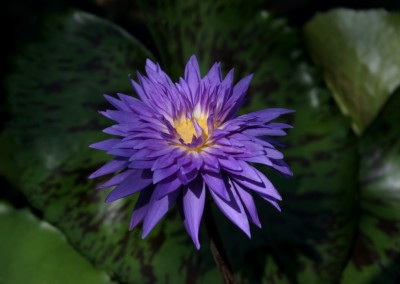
x=161, y=152
x=199, y=130
x=272, y=201
x=163, y=173
x=248, y=203
x=227, y=85
x=236, y=100
x=150, y=64
x=197, y=160
x=264, y=132
x=233, y=210
x=167, y=186
x=164, y=162
x=140, y=155
x=122, y=152
x=279, y=125
x=230, y=164
x=282, y=167
x=273, y=153
x=112, y=131
x=193, y=205
x=210, y=160
x=258, y=159
x=229, y=150
x=122, y=116
x=216, y=183
x=132, y=184
x=185, y=90
x=139, y=89
x=106, y=144
x=136, y=105
x=168, y=159
x=110, y=167
x=141, y=164
x=248, y=172
x=117, y=103
x=157, y=209
x=141, y=206
x=187, y=176
x=192, y=75
x=264, y=187
x=117, y=179
x=266, y=114
x=214, y=76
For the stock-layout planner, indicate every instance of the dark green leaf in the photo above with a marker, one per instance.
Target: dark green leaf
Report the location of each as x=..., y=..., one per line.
x=309, y=241
x=375, y=257
x=358, y=52
x=54, y=93
x=35, y=252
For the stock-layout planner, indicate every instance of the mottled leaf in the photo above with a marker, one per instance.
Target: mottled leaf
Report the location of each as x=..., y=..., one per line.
x=375, y=257
x=54, y=93
x=309, y=241
x=358, y=52
x=35, y=252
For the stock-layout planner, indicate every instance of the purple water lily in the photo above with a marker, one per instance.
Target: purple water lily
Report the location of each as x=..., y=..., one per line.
x=181, y=142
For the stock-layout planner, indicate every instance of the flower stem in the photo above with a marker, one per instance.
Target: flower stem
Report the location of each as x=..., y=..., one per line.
x=217, y=248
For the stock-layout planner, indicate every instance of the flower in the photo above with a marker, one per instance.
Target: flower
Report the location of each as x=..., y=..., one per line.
x=181, y=142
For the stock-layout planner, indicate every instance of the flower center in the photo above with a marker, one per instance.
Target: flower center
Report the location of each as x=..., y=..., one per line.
x=186, y=128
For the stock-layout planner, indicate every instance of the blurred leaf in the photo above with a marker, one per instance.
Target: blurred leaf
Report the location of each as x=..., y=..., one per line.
x=358, y=52
x=54, y=93
x=375, y=257
x=35, y=252
x=309, y=241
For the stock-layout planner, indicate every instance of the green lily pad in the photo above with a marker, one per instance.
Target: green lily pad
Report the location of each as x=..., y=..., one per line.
x=376, y=252
x=358, y=53
x=33, y=251
x=309, y=241
x=54, y=93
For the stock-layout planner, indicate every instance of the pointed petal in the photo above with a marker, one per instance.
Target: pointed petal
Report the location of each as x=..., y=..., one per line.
x=192, y=75
x=157, y=209
x=282, y=167
x=117, y=179
x=117, y=103
x=216, y=183
x=248, y=203
x=139, y=89
x=132, y=184
x=167, y=186
x=193, y=205
x=141, y=164
x=265, y=187
x=230, y=164
x=233, y=210
x=264, y=132
x=110, y=167
x=187, y=176
x=214, y=76
x=163, y=173
x=141, y=206
x=248, y=172
x=106, y=144
x=237, y=98
x=272, y=201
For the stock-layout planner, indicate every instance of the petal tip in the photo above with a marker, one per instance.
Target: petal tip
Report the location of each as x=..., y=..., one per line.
x=145, y=233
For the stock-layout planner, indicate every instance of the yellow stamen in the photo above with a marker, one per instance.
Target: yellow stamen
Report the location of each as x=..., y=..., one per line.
x=186, y=130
